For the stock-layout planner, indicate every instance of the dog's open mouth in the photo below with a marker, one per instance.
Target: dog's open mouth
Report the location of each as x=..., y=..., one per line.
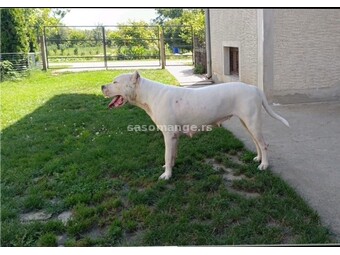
x=117, y=101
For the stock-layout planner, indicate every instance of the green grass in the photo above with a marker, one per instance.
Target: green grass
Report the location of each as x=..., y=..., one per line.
x=62, y=150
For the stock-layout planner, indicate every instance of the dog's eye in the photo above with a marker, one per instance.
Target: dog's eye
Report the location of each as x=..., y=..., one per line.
x=114, y=82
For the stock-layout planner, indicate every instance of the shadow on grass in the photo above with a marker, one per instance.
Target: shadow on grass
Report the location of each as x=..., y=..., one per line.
x=73, y=154
x=74, y=135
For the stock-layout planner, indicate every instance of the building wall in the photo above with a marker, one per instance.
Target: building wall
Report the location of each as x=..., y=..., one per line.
x=306, y=55
x=235, y=28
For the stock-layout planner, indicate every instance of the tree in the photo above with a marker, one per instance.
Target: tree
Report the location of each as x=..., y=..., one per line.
x=133, y=34
x=20, y=27
x=13, y=31
x=96, y=35
x=166, y=14
x=58, y=36
x=187, y=20
x=37, y=18
x=77, y=36
x=193, y=19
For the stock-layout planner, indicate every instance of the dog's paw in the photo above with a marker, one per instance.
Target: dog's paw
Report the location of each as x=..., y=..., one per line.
x=262, y=166
x=165, y=176
x=257, y=159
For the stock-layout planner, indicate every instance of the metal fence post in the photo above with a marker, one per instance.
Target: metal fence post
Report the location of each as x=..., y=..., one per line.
x=43, y=53
x=163, y=61
x=104, y=47
x=192, y=45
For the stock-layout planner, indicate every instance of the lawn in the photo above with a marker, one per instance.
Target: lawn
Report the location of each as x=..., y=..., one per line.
x=63, y=153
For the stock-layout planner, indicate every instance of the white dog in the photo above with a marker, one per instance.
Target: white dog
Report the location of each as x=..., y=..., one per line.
x=171, y=106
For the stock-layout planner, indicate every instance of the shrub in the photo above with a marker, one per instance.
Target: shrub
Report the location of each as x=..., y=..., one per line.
x=52, y=48
x=75, y=51
x=199, y=69
x=8, y=71
x=62, y=49
x=138, y=52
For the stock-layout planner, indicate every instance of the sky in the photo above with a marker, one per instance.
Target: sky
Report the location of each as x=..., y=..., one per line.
x=92, y=17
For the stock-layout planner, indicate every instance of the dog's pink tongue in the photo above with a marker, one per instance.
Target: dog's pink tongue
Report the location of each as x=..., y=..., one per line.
x=119, y=101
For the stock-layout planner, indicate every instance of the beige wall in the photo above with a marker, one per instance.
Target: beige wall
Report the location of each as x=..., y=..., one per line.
x=299, y=59
x=235, y=28
x=306, y=54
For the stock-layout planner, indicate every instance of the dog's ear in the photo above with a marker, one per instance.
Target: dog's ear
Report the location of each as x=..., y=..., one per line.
x=135, y=77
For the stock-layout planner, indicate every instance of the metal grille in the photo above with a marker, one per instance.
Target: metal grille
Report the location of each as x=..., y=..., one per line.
x=103, y=47
x=234, y=61
x=20, y=61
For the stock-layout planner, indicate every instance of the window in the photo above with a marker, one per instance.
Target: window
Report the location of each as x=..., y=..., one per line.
x=231, y=61
x=233, y=55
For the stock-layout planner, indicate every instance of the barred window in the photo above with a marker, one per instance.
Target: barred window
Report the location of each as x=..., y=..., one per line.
x=233, y=60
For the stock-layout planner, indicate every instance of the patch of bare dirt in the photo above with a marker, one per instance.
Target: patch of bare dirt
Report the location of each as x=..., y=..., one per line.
x=229, y=176
x=35, y=216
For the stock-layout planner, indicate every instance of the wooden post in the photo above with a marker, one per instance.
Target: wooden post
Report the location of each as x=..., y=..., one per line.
x=43, y=53
x=162, y=48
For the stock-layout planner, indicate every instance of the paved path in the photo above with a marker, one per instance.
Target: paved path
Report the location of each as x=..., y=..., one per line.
x=186, y=77
x=183, y=71
x=307, y=155
x=121, y=64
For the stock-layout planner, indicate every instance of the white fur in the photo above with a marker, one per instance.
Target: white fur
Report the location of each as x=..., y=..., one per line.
x=171, y=105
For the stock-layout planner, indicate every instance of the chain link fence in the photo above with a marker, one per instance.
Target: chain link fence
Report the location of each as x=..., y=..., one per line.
x=15, y=65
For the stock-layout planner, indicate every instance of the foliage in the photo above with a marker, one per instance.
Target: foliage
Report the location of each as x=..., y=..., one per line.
x=58, y=35
x=121, y=43
x=21, y=27
x=194, y=19
x=166, y=14
x=64, y=38
x=76, y=36
x=187, y=19
x=13, y=31
x=134, y=36
x=8, y=71
x=37, y=18
x=172, y=33
x=199, y=69
x=130, y=40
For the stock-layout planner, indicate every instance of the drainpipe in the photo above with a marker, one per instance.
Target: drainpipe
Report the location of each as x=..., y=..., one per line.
x=208, y=42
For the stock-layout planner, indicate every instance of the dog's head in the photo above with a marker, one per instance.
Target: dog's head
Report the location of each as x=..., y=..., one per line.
x=122, y=89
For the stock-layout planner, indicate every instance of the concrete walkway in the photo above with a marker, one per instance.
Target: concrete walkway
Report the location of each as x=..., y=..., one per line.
x=186, y=77
x=306, y=155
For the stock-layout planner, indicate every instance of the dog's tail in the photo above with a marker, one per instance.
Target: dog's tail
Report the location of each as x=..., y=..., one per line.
x=270, y=110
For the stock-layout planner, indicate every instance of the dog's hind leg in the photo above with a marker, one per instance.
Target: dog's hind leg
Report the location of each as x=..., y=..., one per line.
x=258, y=150
x=253, y=125
x=170, y=140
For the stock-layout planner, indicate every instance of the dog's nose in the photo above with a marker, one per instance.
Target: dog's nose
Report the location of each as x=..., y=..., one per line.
x=103, y=87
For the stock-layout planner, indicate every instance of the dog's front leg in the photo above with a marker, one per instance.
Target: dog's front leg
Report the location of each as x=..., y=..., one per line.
x=170, y=140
